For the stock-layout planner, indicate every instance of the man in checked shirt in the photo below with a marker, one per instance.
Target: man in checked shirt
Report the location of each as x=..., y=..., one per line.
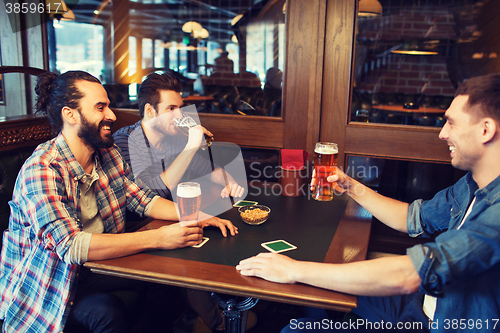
x=68, y=207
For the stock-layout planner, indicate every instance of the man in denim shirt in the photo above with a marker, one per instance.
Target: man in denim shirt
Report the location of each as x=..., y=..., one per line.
x=449, y=284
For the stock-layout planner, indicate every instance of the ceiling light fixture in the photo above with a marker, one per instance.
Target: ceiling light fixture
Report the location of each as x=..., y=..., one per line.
x=236, y=19
x=191, y=26
x=369, y=8
x=416, y=47
x=203, y=33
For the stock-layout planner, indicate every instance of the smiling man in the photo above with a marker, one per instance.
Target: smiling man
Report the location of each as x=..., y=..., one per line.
x=157, y=152
x=68, y=207
x=449, y=284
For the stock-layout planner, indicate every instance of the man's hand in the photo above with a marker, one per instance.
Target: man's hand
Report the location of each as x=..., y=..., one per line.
x=207, y=132
x=232, y=189
x=174, y=236
x=269, y=266
x=343, y=183
x=195, y=137
x=209, y=220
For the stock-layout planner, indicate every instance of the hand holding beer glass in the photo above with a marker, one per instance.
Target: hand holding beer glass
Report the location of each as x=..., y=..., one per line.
x=325, y=161
x=189, y=202
x=185, y=122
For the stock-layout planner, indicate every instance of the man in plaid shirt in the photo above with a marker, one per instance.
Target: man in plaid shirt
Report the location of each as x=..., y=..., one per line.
x=68, y=207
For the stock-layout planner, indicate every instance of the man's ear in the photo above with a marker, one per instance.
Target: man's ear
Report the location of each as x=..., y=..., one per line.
x=489, y=129
x=149, y=110
x=69, y=115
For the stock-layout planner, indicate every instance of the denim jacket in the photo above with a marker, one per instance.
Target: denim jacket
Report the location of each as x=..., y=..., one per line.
x=461, y=267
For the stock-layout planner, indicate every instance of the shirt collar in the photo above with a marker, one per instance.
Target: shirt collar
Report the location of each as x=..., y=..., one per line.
x=75, y=168
x=491, y=188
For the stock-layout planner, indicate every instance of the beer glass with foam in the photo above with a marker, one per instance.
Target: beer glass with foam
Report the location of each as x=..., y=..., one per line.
x=325, y=160
x=184, y=123
x=189, y=201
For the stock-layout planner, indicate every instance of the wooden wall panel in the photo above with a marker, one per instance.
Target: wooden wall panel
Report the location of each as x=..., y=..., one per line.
x=248, y=131
x=337, y=72
x=406, y=143
x=305, y=23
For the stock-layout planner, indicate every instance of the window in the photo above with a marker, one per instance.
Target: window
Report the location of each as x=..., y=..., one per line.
x=225, y=45
x=410, y=59
x=82, y=53
x=147, y=53
x=159, y=54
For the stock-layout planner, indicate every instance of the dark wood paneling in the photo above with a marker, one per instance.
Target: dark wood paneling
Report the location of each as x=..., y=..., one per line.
x=303, y=75
x=249, y=131
x=21, y=131
x=400, y=142
x=125, y=117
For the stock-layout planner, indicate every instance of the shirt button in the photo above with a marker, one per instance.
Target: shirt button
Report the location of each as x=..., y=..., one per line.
x=71, y=303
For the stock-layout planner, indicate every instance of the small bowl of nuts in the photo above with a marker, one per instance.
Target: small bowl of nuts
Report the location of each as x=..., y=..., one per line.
x=255, y=214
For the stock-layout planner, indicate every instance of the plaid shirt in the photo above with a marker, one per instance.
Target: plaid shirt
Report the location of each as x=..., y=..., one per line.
x=37, y=288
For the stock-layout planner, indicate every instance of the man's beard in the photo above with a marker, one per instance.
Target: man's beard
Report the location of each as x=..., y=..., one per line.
x=162, y=125
x=91, y=134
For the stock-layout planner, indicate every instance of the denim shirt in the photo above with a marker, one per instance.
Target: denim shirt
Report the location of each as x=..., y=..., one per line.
x=461, y=267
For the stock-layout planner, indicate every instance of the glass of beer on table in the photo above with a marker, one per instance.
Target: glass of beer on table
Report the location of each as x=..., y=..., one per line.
x=184, y=123
x=189, y=201
x=325, y=161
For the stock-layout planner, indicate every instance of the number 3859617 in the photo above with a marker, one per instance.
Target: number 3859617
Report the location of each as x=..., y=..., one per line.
x=32, y=8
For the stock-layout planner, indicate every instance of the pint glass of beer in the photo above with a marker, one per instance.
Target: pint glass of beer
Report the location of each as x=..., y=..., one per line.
x=189, y=201
x=325, y=160
x=184, y=123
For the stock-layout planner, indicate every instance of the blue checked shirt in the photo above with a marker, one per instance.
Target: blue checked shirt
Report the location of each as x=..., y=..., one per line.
x=37, y=288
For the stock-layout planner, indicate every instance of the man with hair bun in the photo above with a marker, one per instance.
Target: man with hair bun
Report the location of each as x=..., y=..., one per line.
x=68, y=207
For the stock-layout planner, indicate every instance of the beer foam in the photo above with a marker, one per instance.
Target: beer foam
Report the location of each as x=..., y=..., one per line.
x=188, y=192
x=325, y=150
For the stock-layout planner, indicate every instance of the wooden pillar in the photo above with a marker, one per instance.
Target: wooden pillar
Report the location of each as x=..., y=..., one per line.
x=121, y=33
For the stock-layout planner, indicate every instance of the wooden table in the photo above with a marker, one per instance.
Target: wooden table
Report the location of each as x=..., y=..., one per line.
x=212, y=268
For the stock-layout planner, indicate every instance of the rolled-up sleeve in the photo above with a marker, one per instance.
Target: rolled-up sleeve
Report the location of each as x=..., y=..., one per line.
x=413, y=222
x=421, y=257
x=423, y=260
